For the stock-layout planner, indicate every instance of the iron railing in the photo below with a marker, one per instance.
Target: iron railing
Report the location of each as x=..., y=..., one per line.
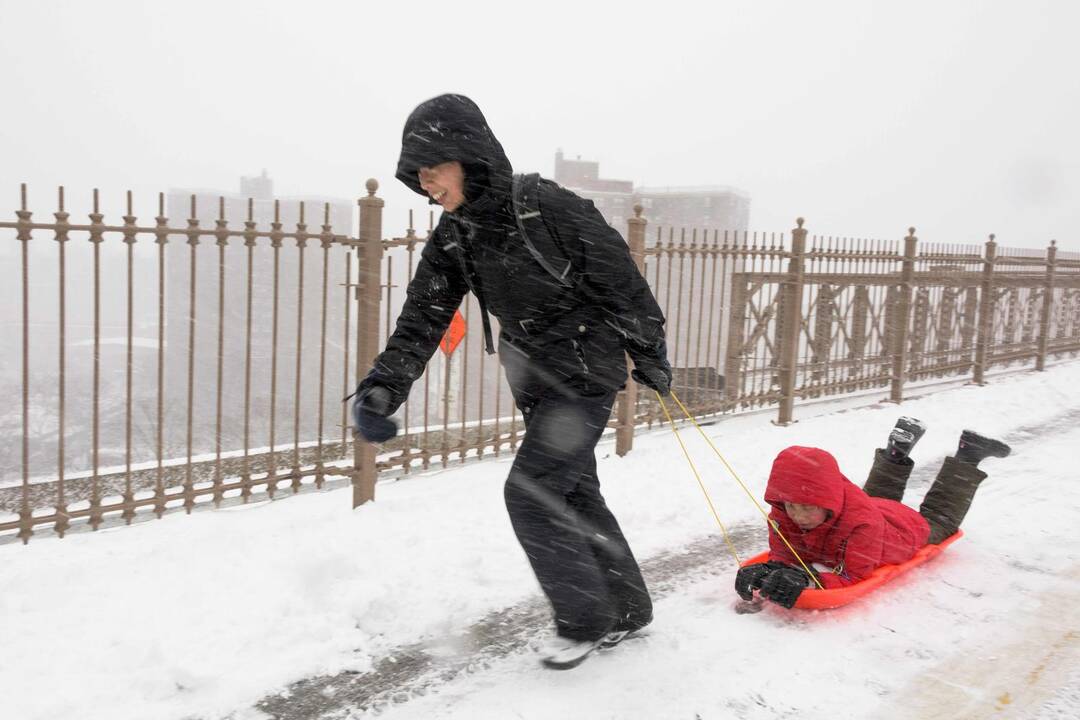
x=186, y=373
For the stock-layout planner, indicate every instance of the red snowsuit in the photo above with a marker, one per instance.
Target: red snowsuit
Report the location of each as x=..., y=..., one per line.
x=860, y=534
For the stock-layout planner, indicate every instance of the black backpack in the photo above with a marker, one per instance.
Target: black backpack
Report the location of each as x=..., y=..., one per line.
x=535, y=234
x=540, y=242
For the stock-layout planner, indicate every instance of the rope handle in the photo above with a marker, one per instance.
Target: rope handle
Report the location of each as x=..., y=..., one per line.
x=768, y=521
x=701, y=484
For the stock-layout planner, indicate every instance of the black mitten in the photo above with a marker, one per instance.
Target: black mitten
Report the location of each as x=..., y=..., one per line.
x=370, y=410
x=784, y=585
x=653, y=377
x=749, y=578
x=652, y=369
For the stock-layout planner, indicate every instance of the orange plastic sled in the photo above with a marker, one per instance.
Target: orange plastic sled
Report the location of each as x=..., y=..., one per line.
x=816, y=599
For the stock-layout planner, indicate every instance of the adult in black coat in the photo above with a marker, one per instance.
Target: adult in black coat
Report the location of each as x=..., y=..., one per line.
x=562, y=345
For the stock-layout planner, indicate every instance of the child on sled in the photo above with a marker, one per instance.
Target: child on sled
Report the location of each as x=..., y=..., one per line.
x=832, y=524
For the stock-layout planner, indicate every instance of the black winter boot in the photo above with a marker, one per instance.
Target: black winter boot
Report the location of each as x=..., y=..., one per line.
x=974, y=448
x=949, y=498
x=902, y=439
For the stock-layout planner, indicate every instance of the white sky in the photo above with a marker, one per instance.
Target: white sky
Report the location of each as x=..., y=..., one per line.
x=959, y=118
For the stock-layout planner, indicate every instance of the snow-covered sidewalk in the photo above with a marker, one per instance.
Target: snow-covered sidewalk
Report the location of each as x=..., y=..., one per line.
x=204, y=616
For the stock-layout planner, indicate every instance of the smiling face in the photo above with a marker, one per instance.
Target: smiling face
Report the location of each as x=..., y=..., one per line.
x=807, y=517
x=445, y=183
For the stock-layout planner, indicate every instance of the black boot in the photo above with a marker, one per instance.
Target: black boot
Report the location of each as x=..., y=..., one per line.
x=949, y=498
x=902, y=439
x=974, y=448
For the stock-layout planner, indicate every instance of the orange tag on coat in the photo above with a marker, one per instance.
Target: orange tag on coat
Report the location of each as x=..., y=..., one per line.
x=454, y=334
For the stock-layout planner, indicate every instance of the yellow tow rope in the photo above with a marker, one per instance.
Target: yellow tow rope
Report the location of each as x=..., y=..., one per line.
x=771, y=523
x=701, y=484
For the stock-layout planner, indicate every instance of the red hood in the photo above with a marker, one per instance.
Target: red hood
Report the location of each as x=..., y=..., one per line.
x=808, y=476
x=862, y=533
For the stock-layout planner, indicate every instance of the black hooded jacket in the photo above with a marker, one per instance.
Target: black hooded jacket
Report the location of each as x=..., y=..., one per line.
x=573, y=335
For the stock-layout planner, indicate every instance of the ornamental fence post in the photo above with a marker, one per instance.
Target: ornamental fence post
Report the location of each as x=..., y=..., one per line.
x=369, y=253
x=1047, y=306
x=626, y=412
x=790, y=321
x=985, y=327
x=901, y=317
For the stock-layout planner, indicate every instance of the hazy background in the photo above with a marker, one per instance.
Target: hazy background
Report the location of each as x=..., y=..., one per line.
x=958, y=117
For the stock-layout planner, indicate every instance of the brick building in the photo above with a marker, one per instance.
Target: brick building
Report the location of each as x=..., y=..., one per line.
x=713, y=207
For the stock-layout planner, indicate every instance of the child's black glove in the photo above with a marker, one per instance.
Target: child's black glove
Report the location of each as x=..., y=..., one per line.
x=784, y=585
x=370, y=410
x=749, y=578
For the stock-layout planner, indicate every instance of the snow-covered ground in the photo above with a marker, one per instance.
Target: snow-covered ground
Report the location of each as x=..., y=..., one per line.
x=205, y=616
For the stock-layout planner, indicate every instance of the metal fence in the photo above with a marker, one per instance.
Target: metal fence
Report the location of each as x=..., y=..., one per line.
x=763, y=319
x=193, y=361
x=168, y=364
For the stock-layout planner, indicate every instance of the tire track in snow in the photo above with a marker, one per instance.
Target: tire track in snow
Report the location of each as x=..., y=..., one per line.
x=415, y=668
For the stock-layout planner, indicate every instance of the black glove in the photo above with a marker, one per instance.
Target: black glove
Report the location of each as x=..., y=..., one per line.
x=784, y=585
x=653, y=377
x=653, y=370
x=749, y=578
x=370, y=409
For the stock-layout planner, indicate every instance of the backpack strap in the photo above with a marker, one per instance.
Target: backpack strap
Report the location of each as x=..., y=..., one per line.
x=526, y=199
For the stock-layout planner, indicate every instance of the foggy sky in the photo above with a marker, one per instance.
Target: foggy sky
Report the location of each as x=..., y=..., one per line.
x=960, y=118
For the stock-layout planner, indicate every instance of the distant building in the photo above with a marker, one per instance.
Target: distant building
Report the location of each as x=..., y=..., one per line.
x=669, y=211
x=260, y=191
x=267, y=352
x=260, y=187
x=712, y=207
x=585, y=175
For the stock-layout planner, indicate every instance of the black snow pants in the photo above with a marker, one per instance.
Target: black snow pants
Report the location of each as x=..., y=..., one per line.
x=572, y=540
x=946, y=503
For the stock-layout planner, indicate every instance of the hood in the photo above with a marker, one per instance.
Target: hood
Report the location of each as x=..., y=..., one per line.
x=451, y=127
x=806, y=475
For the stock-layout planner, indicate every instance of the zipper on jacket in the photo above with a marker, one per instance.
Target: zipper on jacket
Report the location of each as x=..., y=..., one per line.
x=475, y=287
